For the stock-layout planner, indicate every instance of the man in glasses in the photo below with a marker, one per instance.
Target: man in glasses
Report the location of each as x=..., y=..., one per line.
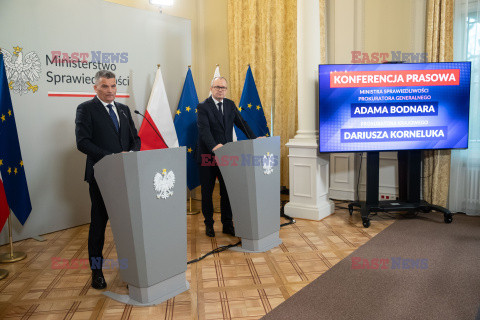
x=216, y=116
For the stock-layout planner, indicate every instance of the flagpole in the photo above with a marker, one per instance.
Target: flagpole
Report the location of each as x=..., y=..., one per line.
x=196, y=199
x=272, y=118
x=12, y=256
x=272, y=109
x=190, y=212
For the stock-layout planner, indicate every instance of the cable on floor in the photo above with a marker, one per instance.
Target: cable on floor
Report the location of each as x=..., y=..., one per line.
x=223, y=248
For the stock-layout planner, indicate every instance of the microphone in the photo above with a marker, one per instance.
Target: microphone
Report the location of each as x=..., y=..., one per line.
x=130, y=129
x=243, y=125
x=153, y=127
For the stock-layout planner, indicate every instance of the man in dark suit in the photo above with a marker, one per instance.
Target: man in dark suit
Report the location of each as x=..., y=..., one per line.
x=216, y=116
x=102, y=127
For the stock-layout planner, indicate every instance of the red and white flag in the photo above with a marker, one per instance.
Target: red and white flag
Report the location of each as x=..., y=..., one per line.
x=159, y=132
x=4, y=209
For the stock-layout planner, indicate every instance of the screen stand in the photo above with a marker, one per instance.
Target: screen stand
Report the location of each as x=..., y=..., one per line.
x=409, y=181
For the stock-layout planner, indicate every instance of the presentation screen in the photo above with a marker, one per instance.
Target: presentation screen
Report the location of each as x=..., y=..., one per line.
x=389, y=107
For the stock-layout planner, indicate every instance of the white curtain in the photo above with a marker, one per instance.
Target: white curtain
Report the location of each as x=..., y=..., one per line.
x=464, y=195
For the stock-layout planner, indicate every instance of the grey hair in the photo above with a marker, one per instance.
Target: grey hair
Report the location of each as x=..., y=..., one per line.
x=211, y=84
x=104, y=74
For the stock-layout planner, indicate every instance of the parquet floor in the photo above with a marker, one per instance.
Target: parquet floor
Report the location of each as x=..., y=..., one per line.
x=229, y=285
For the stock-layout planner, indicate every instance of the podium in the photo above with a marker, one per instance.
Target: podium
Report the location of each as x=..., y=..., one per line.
x=251, y=171
x=145, y=195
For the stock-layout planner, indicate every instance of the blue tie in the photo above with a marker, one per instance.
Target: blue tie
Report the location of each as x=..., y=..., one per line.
x=113, y=115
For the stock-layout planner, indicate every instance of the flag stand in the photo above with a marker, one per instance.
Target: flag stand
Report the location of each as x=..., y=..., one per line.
x=12, y=256
x=3, y=273
x=190, y=212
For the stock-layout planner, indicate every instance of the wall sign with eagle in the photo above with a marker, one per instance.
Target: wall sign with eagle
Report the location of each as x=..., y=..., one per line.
x=22, y=70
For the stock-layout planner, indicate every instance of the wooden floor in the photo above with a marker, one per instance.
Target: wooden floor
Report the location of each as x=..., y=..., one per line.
x=229, y=285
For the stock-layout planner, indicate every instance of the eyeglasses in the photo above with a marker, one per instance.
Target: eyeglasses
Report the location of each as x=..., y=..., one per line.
x=220, y=88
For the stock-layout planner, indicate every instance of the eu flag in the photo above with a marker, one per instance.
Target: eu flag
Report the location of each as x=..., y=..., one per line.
x=186, y=126
x=11, y=163
x=251, y=109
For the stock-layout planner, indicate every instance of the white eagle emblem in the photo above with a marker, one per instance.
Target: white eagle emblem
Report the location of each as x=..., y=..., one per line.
x=267, y=163
x=163, y=184
x=22, y=70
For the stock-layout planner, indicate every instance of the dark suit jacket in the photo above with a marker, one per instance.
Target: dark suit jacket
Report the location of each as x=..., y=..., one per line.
x=213, y=129
x=96, y=134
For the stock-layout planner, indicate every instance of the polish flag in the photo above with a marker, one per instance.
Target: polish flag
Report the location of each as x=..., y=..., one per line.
x=157, y=130
x=4, y=209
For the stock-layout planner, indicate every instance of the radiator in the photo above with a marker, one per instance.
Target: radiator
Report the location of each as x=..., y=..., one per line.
x=472, y=190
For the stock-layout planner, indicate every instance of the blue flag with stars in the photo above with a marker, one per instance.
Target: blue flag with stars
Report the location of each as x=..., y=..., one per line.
x=251, y=109
x=11, y=163
x=186, y=126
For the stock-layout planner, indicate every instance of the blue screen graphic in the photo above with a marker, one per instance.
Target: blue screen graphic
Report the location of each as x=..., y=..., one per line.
x=389, y=107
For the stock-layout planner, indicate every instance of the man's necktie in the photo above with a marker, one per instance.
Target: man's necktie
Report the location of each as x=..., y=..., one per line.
x=220, y=108
x=113, y=115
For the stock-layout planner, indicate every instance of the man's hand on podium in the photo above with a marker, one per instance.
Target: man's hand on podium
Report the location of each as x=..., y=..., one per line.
x=261, y=137
x=218, y=146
